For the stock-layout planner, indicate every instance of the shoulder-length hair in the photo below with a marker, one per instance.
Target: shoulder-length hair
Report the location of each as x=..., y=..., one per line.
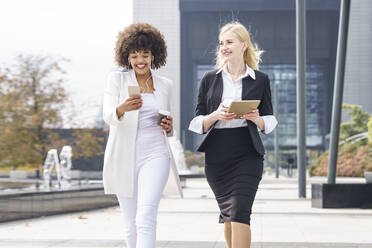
x=252, y=55
x=140, y=37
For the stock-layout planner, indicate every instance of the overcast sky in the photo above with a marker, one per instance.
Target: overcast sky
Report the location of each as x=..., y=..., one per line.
x=83, y=31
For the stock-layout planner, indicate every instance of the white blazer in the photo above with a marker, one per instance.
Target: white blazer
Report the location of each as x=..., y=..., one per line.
x=119, y=159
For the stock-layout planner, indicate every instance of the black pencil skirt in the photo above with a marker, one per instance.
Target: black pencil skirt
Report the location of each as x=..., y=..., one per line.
x=233, y=170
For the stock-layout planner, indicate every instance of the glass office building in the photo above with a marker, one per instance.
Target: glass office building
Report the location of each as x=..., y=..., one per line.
x=272, y=26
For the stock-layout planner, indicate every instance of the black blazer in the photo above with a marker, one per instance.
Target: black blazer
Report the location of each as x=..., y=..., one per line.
x=210, y=94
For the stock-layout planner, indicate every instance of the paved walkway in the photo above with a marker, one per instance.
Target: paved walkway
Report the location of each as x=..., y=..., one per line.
x=280, y=219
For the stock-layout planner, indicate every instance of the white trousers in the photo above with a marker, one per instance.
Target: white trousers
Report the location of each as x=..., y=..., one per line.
x=140, y=211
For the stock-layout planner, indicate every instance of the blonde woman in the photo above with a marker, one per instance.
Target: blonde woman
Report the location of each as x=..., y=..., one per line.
x=233, y=148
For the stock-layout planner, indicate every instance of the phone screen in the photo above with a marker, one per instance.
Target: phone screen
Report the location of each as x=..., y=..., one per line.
x=134, y=90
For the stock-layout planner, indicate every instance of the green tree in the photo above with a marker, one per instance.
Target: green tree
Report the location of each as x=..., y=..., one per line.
x=88, y=142
x=358, y=123
x=31, y=98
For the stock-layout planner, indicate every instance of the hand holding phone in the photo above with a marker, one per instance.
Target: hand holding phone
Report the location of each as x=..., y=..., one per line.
x=132, y=102
x=162, y=114
x=165, y=120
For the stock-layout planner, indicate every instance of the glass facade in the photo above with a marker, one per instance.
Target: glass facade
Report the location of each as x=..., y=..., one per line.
x=272, y=26
x=284, y=75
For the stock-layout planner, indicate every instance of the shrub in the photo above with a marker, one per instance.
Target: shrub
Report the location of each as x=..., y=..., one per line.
x=353, y=161
x=193, y=158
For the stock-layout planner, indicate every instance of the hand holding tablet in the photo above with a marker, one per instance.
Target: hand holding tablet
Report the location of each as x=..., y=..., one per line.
x=241, y=108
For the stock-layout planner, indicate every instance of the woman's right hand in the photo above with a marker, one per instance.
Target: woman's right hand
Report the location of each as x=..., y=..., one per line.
x=222, y=113
x=129, y=104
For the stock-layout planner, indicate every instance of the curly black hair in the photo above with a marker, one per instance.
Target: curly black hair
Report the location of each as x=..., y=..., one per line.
x=140, y=37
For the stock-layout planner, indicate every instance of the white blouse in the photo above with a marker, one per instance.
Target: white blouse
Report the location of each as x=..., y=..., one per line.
x=232, y=91
x=148, y=113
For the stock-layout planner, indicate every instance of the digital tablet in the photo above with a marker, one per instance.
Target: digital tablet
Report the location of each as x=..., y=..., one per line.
x=243, y=107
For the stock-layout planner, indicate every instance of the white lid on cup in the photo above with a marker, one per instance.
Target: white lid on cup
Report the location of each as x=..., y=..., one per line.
x=164, y=112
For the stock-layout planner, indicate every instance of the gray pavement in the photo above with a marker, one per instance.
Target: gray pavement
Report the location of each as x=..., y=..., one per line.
x=279, y=220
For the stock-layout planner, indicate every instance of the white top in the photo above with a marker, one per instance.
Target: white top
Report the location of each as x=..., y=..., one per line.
x=149, y=112
x=150, y=142
x=232, y=91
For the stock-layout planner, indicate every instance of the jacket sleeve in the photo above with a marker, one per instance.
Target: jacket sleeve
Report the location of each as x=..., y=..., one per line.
x=169, y=85
x=201, y=105
x=266, y=108
x=270, y=123
x=196, y=124
x=111, y=99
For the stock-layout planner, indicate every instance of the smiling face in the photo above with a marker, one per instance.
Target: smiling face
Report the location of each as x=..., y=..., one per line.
x=140, y=61
x=231, y=48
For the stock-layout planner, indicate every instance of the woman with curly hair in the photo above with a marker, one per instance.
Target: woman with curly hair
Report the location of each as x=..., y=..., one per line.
x=233, y=148
x=137, y=158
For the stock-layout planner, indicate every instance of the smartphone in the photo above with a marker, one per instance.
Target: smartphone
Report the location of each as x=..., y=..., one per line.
x=134, y=90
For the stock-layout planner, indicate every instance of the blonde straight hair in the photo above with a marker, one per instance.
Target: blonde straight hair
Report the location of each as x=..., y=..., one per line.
x=252, y=55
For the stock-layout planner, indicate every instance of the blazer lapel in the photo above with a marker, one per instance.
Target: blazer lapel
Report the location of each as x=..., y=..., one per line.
x=247, y=92
x=218, y=90
x=160, y=93
x=248, y=83
x=158, y=90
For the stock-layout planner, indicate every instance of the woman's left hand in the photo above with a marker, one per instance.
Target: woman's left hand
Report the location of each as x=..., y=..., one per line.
x=166, y=123
x=255, y=117
x=252, y=116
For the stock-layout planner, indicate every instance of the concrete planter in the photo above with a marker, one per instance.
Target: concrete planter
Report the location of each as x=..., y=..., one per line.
x=18, y=174
x=30, y=204
x=346, y=195
x=368, y=176
x=78, y=174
